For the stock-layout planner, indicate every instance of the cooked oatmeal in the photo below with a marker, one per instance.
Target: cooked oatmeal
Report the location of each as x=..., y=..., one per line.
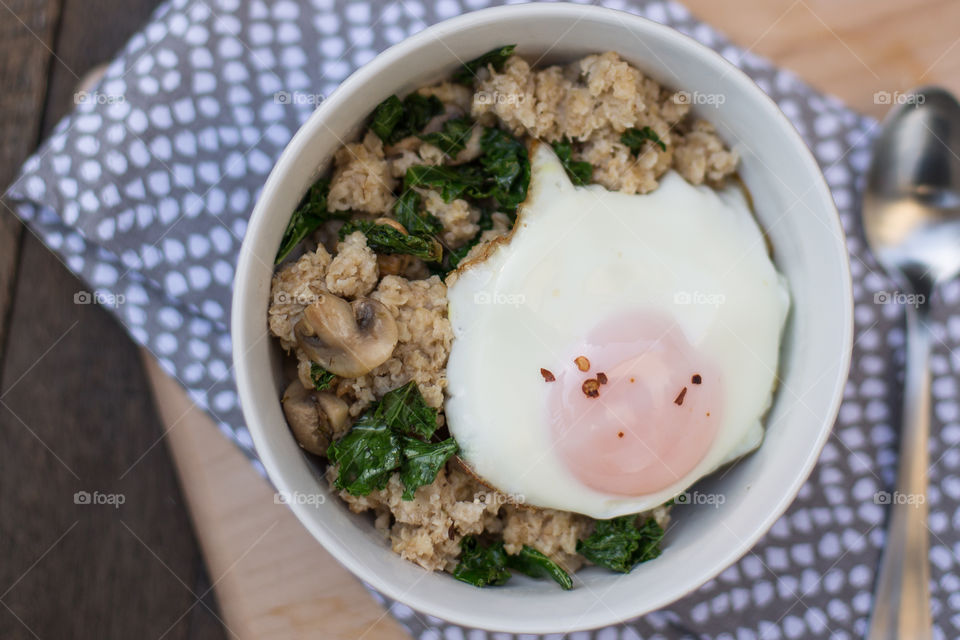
x=590, y=103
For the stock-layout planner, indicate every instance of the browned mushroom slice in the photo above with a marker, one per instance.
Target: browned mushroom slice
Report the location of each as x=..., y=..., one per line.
x=315, y=417
x=390, y=222
x=347, y=339
x=393, y=264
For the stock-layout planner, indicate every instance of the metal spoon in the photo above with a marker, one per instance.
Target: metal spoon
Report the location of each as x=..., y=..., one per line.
x=911, y=216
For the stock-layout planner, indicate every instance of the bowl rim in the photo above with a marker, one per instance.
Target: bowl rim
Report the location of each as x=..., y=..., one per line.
x=240, y=323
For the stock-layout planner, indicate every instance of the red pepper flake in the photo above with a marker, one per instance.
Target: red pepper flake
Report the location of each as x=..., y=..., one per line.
x=679, y=400
x=547, y=375
x=591, y=388
x=582, y=363
x=602, y=378
x=620, y=435
x=696, y=379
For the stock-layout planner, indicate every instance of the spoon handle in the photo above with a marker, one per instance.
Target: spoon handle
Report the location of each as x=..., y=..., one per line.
x=902, y=598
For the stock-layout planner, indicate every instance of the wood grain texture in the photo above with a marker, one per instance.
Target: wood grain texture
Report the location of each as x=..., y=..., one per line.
x=73, y=416
x=275, y=582
x=26, y=33
x=850, y=49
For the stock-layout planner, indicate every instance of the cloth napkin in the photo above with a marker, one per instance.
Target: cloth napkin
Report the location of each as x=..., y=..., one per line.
x=145, y=190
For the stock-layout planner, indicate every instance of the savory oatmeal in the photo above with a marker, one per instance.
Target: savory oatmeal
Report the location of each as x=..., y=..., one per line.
x=360, y=296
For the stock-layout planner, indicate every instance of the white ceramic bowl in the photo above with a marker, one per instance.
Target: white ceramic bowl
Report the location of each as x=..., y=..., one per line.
x=794, y=206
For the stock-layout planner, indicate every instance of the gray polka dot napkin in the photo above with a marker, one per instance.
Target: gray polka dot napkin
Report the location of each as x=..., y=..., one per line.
x=144, y=191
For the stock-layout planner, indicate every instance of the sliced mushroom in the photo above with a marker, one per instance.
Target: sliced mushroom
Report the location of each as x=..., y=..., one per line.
x=390, y=222
x=347, y=339
x=315, y=417
x=393, y=264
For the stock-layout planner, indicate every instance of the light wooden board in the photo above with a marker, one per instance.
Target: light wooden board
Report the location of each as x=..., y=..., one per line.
x=286, y=586
x=273, y=580
x=850, y=48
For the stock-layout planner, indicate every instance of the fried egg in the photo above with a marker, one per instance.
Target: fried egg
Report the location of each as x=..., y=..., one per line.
x=615, y=348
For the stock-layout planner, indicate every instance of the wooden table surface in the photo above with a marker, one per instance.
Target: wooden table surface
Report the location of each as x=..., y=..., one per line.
x=78, y=408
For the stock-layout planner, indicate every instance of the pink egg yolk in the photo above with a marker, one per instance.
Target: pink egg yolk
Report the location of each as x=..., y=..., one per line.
x=655, y=412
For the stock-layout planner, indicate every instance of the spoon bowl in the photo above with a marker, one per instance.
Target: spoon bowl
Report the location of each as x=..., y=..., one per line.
x=911, y=218
x=911, y=209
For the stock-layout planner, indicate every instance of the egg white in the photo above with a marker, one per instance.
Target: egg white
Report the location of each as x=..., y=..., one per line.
x=578, y=255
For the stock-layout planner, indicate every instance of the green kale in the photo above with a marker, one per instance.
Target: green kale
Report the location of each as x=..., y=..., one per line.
x=322, y=379
x=481, y=566
x=408, y=213
x=619, y=544
x=580, y=172
x=394, y=119
x=537, y=565
x=405, y=411
x=421, y=462
x=452, y=182
x=506, y=164
x=384, y=238
x=485, y=566
x=309, y=214
x=634, y=138
x=382, y=442
x=386, y=117
x=497, y=57
x=368, y=454
x=502, y=172
x=417, y=111
x=452, y=138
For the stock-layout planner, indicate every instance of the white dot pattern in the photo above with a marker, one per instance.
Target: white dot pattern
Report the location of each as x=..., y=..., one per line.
x=144, y=190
